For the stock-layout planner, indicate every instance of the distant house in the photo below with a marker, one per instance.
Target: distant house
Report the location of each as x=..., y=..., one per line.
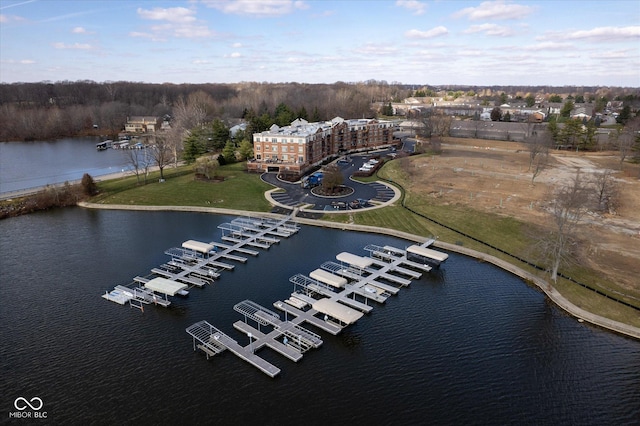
x=237, y=128
x=139, y=124
x=537, y=117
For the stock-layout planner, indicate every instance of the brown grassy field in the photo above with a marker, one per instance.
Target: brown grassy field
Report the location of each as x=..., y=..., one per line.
x=494, y=177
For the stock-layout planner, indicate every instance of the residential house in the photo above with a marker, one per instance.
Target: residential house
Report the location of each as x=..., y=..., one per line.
x=139, y=124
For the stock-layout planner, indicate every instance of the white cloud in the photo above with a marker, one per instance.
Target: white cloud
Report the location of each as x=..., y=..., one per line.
x=434, y=32
x=234, y=55
x=176, y=21
x=20, y=61
x=375, y=49
x=74, y=46
x=606, y=33
x=494, y=10
x=10, y=18
x=417, y=7
x=256, y=7
x=236, y=45
x=548, y=45
x=616, y=54
x=79, y=30
x=471, y=52
x=490, y=29
x=200, y=62
x=171, y=14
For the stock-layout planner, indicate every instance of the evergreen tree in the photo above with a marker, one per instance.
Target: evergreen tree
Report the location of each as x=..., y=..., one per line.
x=245, y=149
x=220, y=134
x=302, y=113
x=530, y=100
x=193, y=148
x=229, y=152
x=625, y=115
x=566, y=109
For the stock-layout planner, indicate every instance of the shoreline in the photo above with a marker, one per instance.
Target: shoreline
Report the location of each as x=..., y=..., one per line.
x=551, y=293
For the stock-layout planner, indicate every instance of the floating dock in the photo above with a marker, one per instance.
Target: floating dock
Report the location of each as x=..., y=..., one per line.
x=197, y=263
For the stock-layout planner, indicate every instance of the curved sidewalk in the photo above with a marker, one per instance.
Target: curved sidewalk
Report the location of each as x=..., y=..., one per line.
x=552, y=293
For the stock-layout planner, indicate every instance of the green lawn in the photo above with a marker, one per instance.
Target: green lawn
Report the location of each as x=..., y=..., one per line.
x=240, y=190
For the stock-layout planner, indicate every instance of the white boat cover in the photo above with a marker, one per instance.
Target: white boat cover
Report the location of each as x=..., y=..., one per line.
x=425, y=252
x=328, y=278
x=338, y=311
x=198, y=246
x=165, y=286
x=352, y=259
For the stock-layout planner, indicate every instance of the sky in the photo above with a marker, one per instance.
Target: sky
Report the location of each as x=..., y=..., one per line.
x=483, y=43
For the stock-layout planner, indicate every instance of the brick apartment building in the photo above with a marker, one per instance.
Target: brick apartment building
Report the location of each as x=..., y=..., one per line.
x=296, y=148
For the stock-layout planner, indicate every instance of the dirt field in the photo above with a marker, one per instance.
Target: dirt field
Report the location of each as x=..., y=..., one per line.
x=493, y=176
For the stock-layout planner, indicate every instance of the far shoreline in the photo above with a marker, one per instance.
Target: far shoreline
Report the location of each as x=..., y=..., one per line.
x=553, y=295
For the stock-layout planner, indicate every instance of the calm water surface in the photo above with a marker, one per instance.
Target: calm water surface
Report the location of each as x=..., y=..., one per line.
x=469, y=344
x=25, y=165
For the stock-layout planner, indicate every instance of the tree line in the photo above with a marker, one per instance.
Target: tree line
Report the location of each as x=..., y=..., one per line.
x=40, y=111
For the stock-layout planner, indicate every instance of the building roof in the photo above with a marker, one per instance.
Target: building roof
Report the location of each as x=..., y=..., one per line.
x=303, y=128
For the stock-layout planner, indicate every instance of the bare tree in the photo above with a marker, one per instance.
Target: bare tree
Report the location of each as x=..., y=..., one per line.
x=332, y=178
x=539, y=145
x=140, y=161
x=568, y=206
x=605, y=191
x=162, y=152
x=435, y=123
x=626, y=139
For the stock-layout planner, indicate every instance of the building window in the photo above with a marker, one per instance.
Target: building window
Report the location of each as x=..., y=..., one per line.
x=258, y=157
x=274, y=148
x=301, y=149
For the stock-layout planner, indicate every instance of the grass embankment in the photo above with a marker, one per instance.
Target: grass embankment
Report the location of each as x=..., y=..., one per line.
x=505, y=233
x=244, y=191
x=239, y=190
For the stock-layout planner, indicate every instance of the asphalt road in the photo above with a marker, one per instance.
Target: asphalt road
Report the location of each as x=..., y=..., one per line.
x=296, y=195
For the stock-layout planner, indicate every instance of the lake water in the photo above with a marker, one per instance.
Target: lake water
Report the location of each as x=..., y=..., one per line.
x=468, y=344
x=25, y=165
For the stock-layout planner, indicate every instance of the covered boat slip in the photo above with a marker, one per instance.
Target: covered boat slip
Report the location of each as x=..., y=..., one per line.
x=328, y=278
x=432, y=256
x=353, y=260
x=197, y=246
x=311, y=287
x=338, y=311
x=165, y=286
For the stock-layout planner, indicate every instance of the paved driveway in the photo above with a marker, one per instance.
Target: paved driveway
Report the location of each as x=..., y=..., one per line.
x=296, y=196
